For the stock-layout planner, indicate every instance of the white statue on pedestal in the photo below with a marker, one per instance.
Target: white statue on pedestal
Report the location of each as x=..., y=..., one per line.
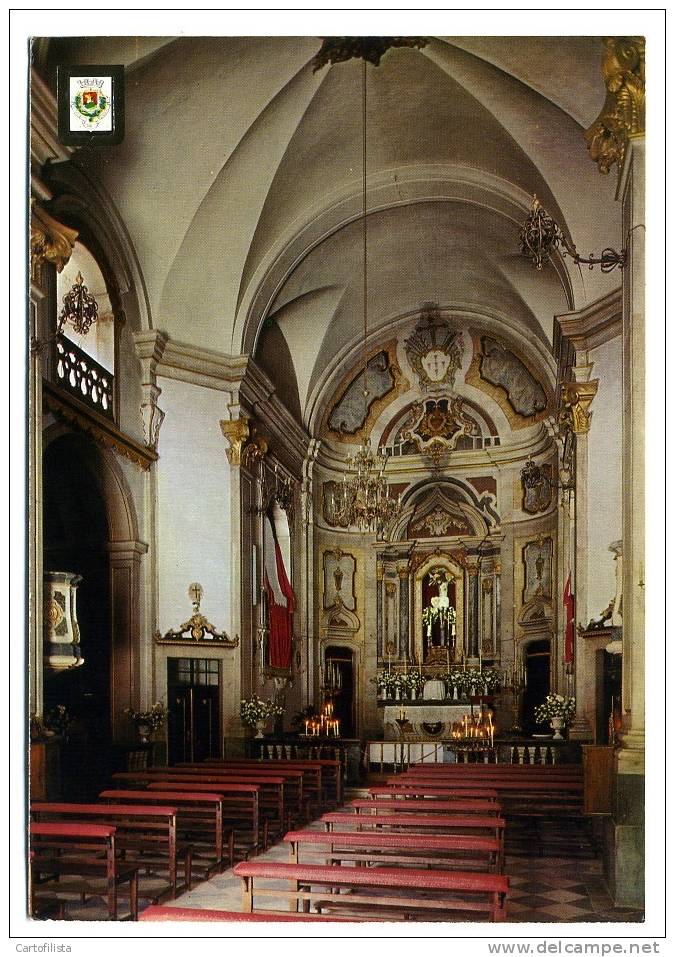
x=441, y=600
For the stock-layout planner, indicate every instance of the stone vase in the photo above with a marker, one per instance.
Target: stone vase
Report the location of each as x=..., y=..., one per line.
x=144, y=731
x=557, y=724
x=260, y=727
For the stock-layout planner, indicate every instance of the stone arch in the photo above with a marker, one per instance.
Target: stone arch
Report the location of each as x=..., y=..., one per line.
x=125, y=551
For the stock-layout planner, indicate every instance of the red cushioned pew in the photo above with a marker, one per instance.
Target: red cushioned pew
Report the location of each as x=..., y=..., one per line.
x=399, y=892
x=377, y=848
x=145, y=835
x=84, y=854
x=199, y=821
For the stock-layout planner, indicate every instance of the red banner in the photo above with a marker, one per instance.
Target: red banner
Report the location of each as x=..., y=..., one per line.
x=281, y=601
x=568, y=604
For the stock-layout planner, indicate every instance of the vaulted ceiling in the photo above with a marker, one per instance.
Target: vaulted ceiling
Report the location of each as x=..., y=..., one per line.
x=239, y=182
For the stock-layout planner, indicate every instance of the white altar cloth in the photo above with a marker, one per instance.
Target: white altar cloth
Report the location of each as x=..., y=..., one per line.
x=431, y=713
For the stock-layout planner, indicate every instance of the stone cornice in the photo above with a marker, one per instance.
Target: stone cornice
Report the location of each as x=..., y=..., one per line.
x=44, y=143
x=595, y=324
x=240, y=376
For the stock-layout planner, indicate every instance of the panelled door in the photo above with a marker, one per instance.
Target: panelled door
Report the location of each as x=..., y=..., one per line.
x=194, y=709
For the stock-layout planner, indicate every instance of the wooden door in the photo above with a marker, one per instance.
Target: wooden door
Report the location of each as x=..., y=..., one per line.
x=194, y=709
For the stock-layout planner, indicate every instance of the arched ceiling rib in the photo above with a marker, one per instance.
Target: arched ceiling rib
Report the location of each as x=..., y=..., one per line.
x=244, y=174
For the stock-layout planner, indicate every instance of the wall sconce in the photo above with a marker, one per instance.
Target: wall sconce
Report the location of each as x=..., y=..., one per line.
x=534, y=476
x=540, y=234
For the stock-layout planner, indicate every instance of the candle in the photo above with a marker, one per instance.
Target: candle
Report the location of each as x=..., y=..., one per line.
x=447, y=657
x=480, y=662
x=463, y=662
x=389, y=657
x=306, y=726
x=405, y=663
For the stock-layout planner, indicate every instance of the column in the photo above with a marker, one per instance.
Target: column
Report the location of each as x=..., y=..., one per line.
x=307, y=589
x=379, y=617
x=471, y=641
x=577, y=397
x=618, y=136
x=404, y=608
x=125, y=628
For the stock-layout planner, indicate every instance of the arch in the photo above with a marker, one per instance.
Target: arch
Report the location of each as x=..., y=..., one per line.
x=118, y=502
x=124, y=554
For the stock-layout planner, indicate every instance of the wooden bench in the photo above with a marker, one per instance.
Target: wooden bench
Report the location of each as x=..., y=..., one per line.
x=438, y=823
x=404, y=891
x=410, y=792
x=240, y=808
x=270, y=792
x=86, y=852
x=370, y=849
x=199, y=821
x=394, y=805
x=302, y=784
x=161, y=913
x=328, y=771
x=148, y=831
x=279, y=817
x=522, y=795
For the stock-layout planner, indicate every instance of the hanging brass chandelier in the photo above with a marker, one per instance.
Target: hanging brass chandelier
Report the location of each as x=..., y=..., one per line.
x=362, y=499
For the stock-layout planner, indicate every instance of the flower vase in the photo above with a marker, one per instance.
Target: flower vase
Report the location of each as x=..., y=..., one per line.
x=260, y=728
x=455, y=694
x=557, y=723
x=397, y=695
x=413, y=694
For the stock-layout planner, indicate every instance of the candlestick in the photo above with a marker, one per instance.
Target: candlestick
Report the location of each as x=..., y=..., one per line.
x=463, y=662
x=405, y=663
x=389, y=657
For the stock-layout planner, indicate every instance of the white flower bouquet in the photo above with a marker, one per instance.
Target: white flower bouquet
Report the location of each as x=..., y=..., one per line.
x=253, y=709
x=555, y=706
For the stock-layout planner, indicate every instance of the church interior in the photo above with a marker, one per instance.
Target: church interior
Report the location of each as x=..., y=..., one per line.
x=336, y=441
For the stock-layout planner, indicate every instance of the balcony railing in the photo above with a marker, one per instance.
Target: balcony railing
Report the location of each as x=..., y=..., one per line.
x=83, y=377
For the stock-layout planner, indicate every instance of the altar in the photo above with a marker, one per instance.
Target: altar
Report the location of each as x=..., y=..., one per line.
x=425, y=720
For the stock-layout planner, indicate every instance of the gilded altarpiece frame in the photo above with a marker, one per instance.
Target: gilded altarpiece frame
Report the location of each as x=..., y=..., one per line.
x=437, y=559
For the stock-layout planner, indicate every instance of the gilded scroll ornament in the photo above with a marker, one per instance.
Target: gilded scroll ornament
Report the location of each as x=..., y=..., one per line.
x=50, y=240
x=197, y=627
x=623, y=113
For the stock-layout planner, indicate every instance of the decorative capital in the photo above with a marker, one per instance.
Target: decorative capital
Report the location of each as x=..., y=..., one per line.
x=247, y=445
x=623, y=113
x=403, y=570
x=379, y=571
x=236, y=432
x=577, y=398
x=50, y=240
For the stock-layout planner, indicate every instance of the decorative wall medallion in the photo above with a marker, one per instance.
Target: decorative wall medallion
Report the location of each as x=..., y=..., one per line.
x=434, y=351
x=537, y=495
x=537, y=558
x=500, y=373
x=385, y=383
x=434, y=427
x=339, y=570
x=328, y=507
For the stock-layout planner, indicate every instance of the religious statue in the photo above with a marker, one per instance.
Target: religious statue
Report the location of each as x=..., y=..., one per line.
x=440, y=610
x=601, y=622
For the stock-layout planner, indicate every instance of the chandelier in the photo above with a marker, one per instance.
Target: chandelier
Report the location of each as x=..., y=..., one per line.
x=362, y=499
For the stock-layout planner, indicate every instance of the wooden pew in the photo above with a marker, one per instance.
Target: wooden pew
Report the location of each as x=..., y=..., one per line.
x=329, y=784
x=303, y=784
x=371, y=849
x=409, y=892
x=452, y=823
x=520, y=795
x=270, y=789
x=294, y=792
x=393, y=805
x=199, y=821
x=159, y=913
x=409, y=792
x=148, y=830
x=240, y=807
x=86, y=852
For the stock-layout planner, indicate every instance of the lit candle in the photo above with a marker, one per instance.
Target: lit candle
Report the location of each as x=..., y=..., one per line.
x=405, y=663
x=389, y=657
x=306, y=726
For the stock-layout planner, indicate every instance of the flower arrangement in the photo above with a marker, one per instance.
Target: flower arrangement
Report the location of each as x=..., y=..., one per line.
x=455, y=678
x=154, y=718
x=57, y=720
x=447, y=616
x=253, y=709
x=491, y=680
x=413, y=681
x=555, y=706
x=385, y=683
